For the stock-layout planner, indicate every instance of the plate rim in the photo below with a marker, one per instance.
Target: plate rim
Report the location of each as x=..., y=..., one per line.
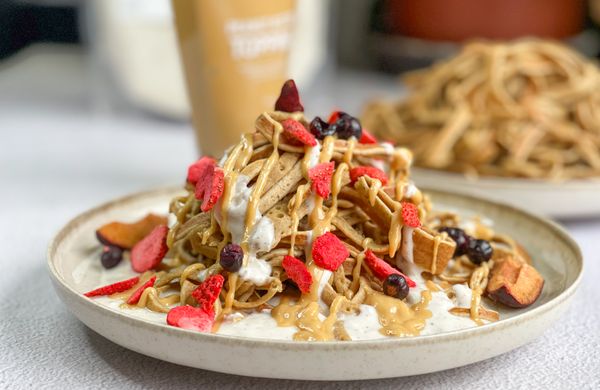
x=511, y=182
x=387, y=343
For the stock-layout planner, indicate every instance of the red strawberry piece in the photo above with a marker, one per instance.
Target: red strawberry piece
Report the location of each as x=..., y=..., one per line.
x=320, y=177
x=149, y=252
x=367, y=138
x=205, y=178
x=372, y=172
x=410, y=215
x=135, y=297
x=334, y=116
x=213, y=190
x=208, y=292
x=297, y=134
x=297, y=271
x=289, y=98
x=200, y=169
x=118, y=287
x=381, y=269
x=329, y=252
x=190, y=317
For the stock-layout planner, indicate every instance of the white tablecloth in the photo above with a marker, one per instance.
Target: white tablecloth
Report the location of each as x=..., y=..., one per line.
x=58, y=158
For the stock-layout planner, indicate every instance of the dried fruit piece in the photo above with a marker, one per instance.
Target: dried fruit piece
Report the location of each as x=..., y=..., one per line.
x=200, y=168
x=459, y=236
x=514, y=284
x=367, y=138
x=297, y=271
x=135, y=297
x=208, y=292
x=372, y=172
x=297, y=134
x=320, y=177
x=126, y=235
x=289, y=98
x=395, y=285
x=111, y=256
x=410, y=215
x=118, y=287
x=319, y=128
x=381, y=269
x=205, y=179
x=347, y=126
x=214, y=189
x=149, y=252
x=329, y=252
x=232, y=257
x=190, y=317
x=334, y=116
x=479, y=251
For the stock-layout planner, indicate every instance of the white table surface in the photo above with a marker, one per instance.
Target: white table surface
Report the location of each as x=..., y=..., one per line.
x=59, y=156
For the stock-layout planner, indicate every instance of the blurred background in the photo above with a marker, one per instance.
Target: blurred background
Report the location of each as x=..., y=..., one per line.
x=103, y=79
x=120, y=57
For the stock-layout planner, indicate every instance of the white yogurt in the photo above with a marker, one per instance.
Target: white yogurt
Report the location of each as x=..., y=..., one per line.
x=407, y=245
x=441, y=320
x=389, y=148
x=463, y=295
x=262, y=235
x=411, y=190
x=314, y=154
x=257, y=325
x=256, y=271
x=364, y=326
x=171, y=220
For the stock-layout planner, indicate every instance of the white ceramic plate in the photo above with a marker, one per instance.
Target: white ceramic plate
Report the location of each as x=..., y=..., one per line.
x=571, y=199
x=73, y=260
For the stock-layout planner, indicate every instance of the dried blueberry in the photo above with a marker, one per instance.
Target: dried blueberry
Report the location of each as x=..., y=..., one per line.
x=111, y=256
x=232, y=257
x=395, y=286
x=460, y=238
x=347, y=126
x=320, y=129
x=479, y=251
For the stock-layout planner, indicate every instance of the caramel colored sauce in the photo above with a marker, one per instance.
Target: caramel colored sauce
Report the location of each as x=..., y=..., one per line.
x=396, y=317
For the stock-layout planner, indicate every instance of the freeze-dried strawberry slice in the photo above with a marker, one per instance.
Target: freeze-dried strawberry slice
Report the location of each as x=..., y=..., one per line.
x=289, y=98
x=135, y=297
x=367, y=138
x=200, y=169
x=372, y=172
x=329, y=252
x=381, y=269
x=118, y=287
x=213, y=190
x=410, y=215
x=320, y=177
x=334, y=116
x=297, y=271
x=208, y=292
x=190, y=317
x=204, y=180
x=149, y=252
x=297, y=134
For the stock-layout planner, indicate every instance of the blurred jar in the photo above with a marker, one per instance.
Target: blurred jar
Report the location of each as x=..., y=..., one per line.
x=135, y=50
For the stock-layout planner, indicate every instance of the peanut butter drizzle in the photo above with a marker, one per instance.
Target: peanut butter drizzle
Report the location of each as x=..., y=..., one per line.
x=304, y=313
x=436, y=246
x=150, y=297
x=396, y=317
